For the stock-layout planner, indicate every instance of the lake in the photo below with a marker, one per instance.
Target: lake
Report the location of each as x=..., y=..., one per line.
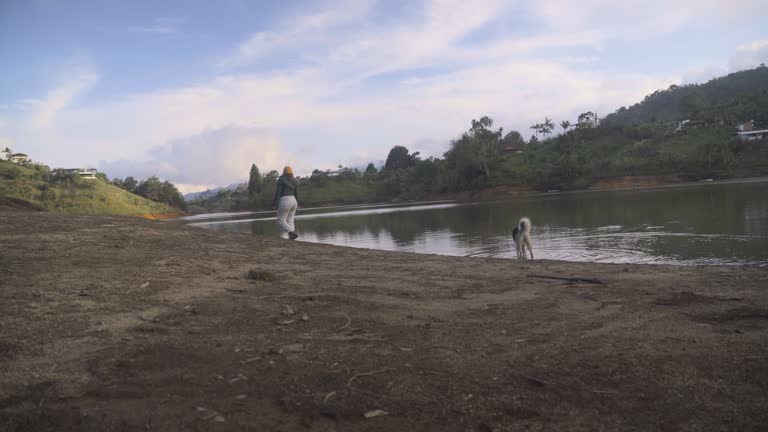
x=702, y=224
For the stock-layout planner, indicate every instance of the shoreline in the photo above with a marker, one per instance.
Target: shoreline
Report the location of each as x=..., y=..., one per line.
x=120, y=322
x=484, y=196
x=502, y=197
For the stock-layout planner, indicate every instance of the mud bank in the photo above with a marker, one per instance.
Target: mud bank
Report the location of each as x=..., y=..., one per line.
x=110, y=323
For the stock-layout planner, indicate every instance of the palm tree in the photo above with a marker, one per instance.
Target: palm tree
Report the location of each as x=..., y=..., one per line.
x=538, y=128
x=547, y=126
x=565, y=124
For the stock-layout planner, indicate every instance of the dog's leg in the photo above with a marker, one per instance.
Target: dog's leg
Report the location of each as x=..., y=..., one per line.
x=527, y=241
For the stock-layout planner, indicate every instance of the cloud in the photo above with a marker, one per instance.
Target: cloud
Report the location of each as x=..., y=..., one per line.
x=642, y=19
x=172, y=20
x=217, y=156
x=304, y=31
x=61, y=97
x=162, y=25
x=153, y=29
x=750, y=55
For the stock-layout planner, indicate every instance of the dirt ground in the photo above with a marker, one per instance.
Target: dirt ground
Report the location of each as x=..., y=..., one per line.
x=111, y=324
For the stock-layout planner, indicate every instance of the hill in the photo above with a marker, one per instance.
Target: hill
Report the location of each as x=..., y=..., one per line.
x=728, y=100
x=37, y=186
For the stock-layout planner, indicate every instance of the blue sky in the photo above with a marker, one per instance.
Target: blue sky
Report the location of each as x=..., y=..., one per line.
x=195, y=91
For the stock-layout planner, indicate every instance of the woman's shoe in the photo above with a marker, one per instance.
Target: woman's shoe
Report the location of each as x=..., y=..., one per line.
x=292, y=235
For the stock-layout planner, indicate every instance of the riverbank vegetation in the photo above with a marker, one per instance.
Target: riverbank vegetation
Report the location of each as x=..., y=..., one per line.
x=684, y=131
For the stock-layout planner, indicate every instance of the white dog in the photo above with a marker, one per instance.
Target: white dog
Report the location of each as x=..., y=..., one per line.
x=522, y=237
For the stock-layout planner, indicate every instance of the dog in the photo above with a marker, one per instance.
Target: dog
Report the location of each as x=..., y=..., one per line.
x=522, y=237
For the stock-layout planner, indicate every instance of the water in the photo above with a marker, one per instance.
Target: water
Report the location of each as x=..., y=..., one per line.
x=690, y=225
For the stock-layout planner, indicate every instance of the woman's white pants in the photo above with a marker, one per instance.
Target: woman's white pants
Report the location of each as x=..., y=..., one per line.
x=286, y=209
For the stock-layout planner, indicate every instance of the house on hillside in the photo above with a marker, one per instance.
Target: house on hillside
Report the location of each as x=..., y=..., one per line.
x=746, y=126
x=87, y=173
x=753, y=135
x=684, y=125
x=681, y=126
x=337, y=172
x=19, y=158
x=514, y=148
x=84, y=173
x=747, y=132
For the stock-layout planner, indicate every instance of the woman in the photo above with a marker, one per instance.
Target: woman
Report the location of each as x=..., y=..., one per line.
x=286, y=193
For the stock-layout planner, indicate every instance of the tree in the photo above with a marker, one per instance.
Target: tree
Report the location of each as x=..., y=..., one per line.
x=130, y=184
x=487, y=141
x=162, y=192
x=150, y=188
x=514, y=138
x=398, y=158
x=370, y=169
x=271, y=176
x=586, y=120
x=547, y=126
x=536, y=128
x=254, y=182
x=484, y=123
x=171, y=196
x=565, y=124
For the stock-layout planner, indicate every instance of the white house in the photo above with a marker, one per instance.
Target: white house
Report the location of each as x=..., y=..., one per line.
x=753, y=135
x=747, y=132
x=746, y=126
x=19, y=158
x=336, y=172
x=85, y=173
x=681, y=126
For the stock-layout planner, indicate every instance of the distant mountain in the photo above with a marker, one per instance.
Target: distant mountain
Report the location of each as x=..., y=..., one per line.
x=730, y=100
x=193, y=196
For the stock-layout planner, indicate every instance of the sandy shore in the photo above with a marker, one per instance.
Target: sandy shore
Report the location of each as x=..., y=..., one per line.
x=111, y=323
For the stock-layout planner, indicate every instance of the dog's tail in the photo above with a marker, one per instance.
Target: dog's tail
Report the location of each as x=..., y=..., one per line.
x=525, y=225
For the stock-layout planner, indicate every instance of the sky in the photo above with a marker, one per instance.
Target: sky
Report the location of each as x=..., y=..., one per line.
x=194, y=91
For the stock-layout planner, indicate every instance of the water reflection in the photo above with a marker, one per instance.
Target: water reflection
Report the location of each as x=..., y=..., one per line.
x=712, y=224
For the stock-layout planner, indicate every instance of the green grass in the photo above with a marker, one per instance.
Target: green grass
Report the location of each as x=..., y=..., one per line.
x=81, y=196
